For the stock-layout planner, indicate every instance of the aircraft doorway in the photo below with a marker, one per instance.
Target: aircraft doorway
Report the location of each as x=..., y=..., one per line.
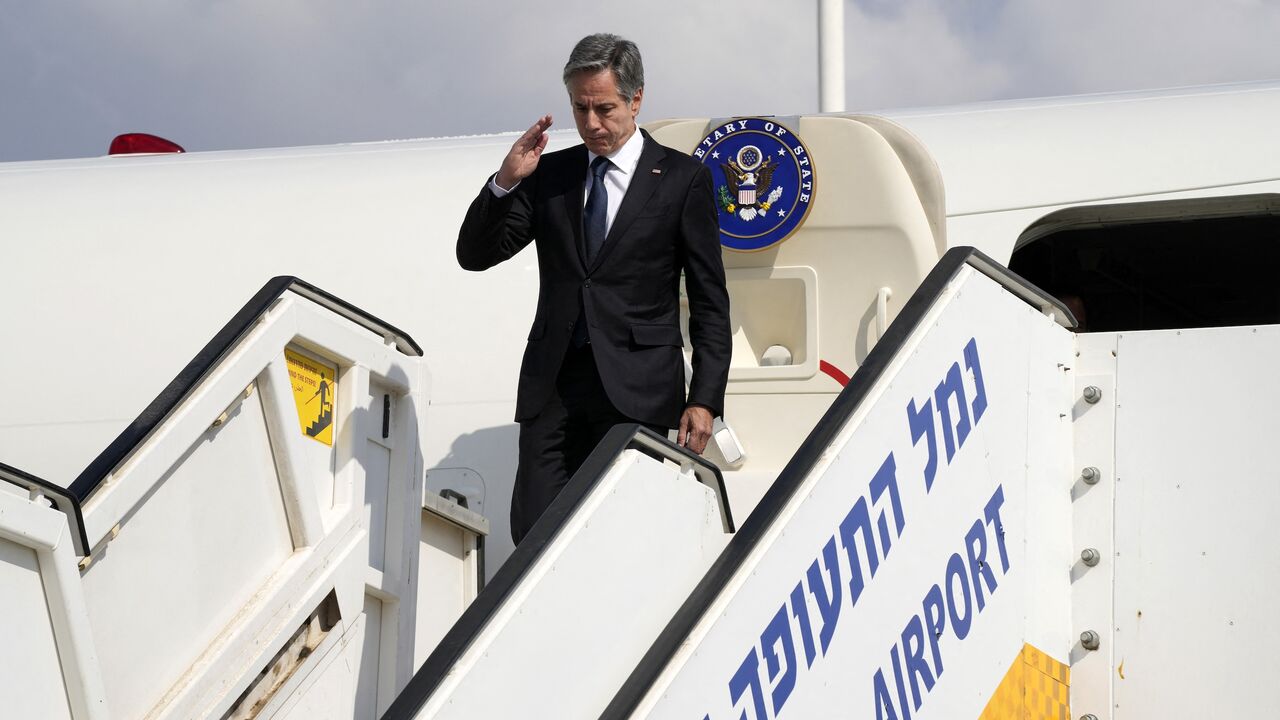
x=1207, y=262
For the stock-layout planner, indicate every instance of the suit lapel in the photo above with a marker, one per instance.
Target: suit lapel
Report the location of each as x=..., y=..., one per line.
x=576, y=176
x=646, y=179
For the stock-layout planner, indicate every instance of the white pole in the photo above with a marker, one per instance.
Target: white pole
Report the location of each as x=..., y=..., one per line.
x=831, y=55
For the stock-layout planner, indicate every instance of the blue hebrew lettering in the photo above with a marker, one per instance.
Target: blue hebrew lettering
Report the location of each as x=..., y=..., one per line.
x=887, y=478
x=953, y=385
x=829, y=605
x=858, y=520
x=921, y=423
x=800, y=609
x=747, y=679
x=980, y=393
x=783, y=681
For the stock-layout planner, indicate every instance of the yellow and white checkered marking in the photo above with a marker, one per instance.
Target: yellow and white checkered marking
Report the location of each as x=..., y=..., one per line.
x=1035, y=688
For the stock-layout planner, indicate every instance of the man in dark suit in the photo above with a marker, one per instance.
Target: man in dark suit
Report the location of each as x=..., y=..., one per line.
x=615, y=221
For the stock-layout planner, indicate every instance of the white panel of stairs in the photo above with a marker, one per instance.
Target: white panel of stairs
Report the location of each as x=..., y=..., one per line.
x=33, y=679
x=590, y=607
x=188, y=560
x=925, y=546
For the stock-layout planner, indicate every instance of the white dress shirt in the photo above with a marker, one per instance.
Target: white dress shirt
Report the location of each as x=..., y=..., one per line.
x=616, y=180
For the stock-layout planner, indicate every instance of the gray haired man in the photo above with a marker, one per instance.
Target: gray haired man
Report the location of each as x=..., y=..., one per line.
x=616, y=220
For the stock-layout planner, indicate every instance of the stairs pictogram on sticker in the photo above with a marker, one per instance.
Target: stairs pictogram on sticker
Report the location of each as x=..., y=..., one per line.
x=315, y=387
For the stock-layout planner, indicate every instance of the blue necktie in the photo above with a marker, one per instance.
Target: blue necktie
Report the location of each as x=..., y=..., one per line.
x=593, y=216
x=593, y=233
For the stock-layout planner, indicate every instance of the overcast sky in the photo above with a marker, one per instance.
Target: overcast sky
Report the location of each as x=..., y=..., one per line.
x=221, y=74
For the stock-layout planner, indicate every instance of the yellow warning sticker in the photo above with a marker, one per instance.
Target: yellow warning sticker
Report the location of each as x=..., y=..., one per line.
x=1037, y=687
x=314, y=386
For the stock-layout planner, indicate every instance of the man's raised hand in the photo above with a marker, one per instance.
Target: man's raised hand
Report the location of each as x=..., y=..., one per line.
x=523, y=157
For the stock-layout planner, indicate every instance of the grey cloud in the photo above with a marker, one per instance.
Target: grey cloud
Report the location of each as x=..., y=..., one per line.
x=244, y=73
x=1096, y=46
x=925, y=52
x=241, y=73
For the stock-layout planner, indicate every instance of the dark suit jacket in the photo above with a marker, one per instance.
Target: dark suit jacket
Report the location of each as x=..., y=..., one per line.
x=666, y=224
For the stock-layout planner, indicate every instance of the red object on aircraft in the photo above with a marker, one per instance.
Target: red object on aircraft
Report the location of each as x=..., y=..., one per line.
x=836, y=373
x=136, y=143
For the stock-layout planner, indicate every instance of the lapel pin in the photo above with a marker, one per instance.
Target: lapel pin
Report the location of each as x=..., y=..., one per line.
x=656, y=171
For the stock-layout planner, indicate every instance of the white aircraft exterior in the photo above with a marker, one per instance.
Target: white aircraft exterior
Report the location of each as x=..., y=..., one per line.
x=120, y=269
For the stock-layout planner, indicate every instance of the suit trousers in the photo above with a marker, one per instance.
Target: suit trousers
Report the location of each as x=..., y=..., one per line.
x=555, y=443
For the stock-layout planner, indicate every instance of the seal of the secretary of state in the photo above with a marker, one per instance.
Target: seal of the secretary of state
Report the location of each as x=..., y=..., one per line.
x=763, y=181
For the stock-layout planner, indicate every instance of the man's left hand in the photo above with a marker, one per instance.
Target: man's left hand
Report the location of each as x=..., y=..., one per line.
x=695, y=428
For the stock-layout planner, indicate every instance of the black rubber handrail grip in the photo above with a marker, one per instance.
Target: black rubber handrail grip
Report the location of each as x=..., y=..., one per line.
x=181, y=386
x=806, y=458
x=477, y=615
x=62, y=499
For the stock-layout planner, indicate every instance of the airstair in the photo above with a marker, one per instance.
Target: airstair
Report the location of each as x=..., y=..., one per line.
x=996, y=518
x=952, y=540
x=908, y=536
x=252, y=544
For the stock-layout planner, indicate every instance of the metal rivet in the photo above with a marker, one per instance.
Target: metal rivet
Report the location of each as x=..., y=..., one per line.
x=1090, y=640
x=1092, y=394
x=1090, y=475
x=1090, y=556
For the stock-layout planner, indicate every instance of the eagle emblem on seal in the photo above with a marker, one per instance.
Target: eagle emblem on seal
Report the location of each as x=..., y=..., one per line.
x=762, y=181
x=748, y=190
